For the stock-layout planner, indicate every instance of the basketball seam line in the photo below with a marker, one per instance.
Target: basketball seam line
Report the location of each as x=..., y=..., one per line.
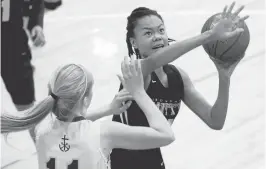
x=206, y=29
x=231, y=45
x=215, y=47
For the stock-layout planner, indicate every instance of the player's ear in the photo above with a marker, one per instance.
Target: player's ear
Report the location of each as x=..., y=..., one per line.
x=86, y=101
x=133, y=43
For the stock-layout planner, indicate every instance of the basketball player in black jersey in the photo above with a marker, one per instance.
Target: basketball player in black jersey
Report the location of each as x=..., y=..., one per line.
x=16, y=68
x=168, y=85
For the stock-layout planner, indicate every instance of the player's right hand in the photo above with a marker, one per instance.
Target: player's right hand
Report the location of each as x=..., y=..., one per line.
x=226, y=68
x=132, y=79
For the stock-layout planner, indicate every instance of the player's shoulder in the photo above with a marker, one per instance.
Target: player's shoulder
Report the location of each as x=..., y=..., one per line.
x=170, y=68
x=94, y=128
x=175, y=69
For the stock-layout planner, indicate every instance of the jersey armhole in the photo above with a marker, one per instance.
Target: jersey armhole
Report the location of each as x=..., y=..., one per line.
x=102, y=148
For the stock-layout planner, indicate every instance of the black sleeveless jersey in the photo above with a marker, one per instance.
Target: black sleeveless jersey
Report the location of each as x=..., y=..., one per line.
x=168, y=100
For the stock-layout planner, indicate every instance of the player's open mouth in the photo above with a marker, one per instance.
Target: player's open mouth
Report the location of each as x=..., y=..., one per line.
x=158, y=46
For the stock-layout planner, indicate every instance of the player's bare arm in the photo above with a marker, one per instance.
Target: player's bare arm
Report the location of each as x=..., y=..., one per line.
x=159, y=132
x=214, y=116
x=114, y=108
x=35, y=26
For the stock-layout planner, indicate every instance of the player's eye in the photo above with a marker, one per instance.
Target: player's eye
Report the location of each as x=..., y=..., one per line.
x=162, y=30
x=148, y=33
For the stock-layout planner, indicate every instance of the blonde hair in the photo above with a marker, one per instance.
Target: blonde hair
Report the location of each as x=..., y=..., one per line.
x=67, y=87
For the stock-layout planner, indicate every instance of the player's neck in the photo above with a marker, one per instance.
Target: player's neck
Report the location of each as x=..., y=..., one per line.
x=78, y=112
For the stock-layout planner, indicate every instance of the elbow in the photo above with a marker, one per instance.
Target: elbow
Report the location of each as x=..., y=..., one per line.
x=216, y=123
x=170, y=138
x=217, y=126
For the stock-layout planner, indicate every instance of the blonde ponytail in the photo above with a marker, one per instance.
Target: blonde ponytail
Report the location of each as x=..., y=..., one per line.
x=11, y=123
x=68, y=85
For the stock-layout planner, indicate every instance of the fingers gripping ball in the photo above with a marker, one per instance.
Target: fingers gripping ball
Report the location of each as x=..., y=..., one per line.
x=230, y=49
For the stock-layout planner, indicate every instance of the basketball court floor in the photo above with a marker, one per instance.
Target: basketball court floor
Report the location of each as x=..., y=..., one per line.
x=92, y=33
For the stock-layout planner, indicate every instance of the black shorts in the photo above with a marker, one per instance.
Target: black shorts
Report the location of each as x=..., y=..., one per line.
x=17, y=72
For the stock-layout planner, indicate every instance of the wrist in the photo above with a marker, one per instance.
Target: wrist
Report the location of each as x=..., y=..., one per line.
x=208, y=36
x=224, y=77
x=139, y=93
x=108, y=110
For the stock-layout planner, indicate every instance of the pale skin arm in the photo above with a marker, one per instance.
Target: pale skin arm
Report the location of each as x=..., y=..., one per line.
x=118, y=135
x=101, y=112
x=115, y=107
x=159, y=134
x=104, y=111
x=214, y=116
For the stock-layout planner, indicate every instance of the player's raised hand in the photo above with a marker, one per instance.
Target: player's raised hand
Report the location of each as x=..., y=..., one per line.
x=225, y=25
x=132, y=79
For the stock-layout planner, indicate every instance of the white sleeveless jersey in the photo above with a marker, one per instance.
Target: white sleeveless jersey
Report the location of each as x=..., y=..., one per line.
x=72, y=146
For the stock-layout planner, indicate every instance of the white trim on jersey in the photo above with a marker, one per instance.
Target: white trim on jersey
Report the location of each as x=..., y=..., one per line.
x=121, y=117
x=126, y=117
x=105, y=159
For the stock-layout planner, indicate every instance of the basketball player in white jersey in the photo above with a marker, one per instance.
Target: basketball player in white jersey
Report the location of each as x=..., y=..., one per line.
x=71, y=141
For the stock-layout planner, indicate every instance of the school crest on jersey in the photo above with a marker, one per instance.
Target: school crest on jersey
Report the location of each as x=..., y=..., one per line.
x=64, y=146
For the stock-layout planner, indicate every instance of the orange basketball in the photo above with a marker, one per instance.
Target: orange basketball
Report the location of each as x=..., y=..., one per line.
x=230, y=49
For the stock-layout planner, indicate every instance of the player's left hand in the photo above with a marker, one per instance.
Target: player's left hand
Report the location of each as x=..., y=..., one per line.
x=37, y=36
x=227, y=68
x=117, y=106
x=225, y=25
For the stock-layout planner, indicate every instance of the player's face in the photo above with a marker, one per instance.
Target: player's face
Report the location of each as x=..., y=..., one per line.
x=150, y=35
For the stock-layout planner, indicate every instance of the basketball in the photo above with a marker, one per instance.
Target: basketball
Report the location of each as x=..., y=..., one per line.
x=230, y=49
